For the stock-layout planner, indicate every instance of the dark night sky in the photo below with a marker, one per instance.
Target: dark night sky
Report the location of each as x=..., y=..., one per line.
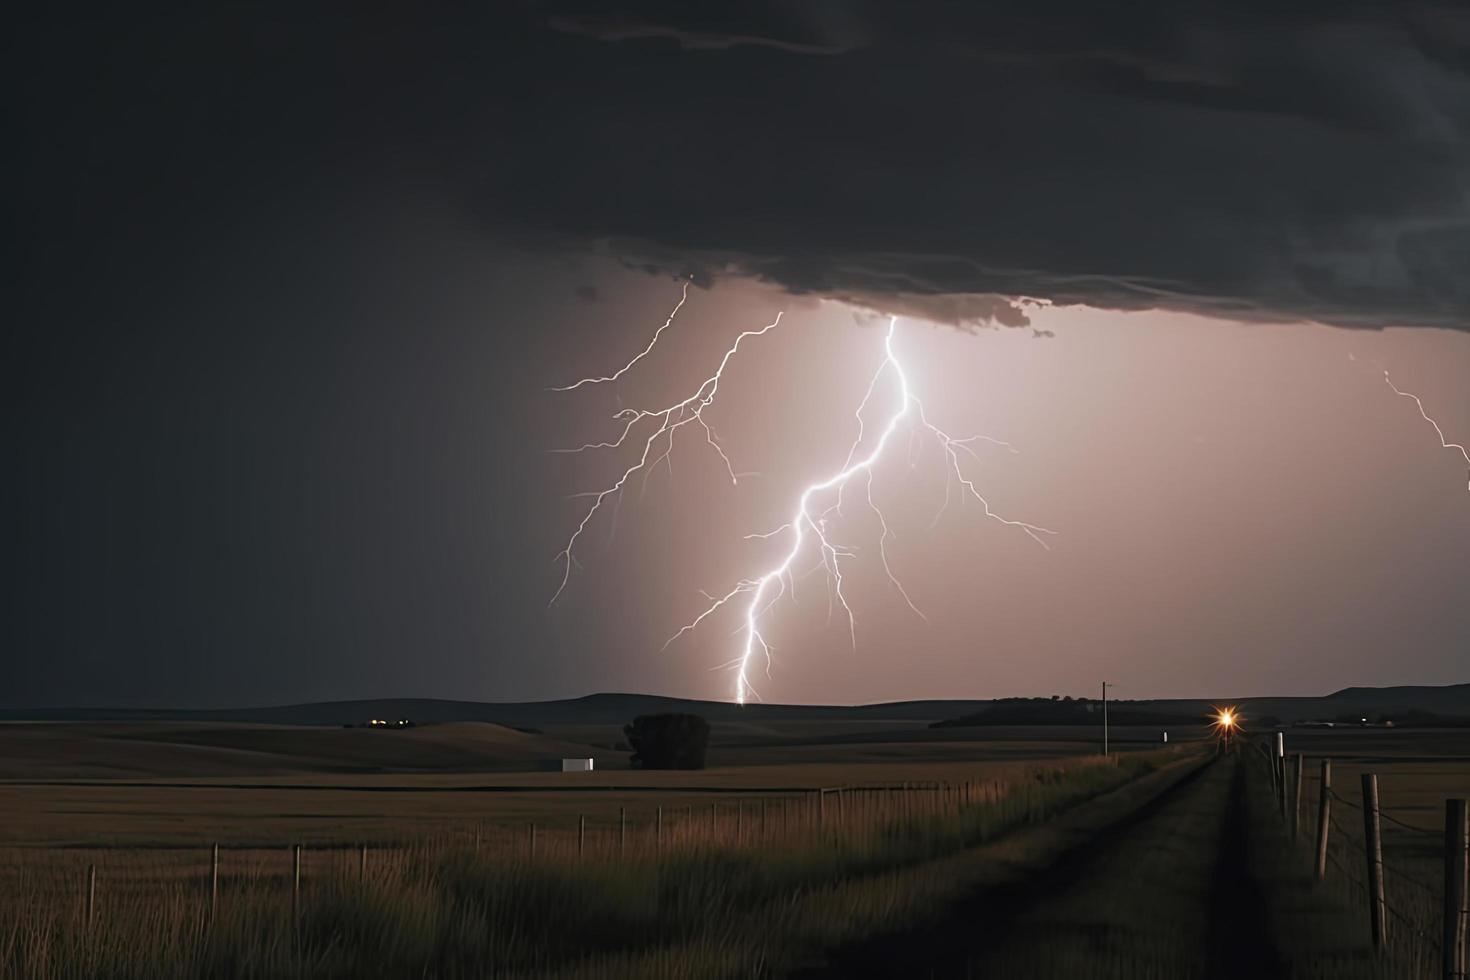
x=288, y=289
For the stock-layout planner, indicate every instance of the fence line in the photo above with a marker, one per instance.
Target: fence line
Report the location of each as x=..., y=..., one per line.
x=1333, y=838
x=1409, y=879
x=1398, y=916
x=1410, y=827
x=1389, y=817
x=802, y=817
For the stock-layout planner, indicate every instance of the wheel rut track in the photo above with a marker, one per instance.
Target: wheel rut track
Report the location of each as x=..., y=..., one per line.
x=943, y=946
x=1239, y=946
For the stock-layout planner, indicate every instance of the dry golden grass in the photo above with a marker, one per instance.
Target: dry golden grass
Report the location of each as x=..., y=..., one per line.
x=351, y=809
x=715, y=894
x=747, y=876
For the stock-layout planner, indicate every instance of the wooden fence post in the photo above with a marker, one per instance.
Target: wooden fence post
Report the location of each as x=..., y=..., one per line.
x=1373, y=851
x=739, y=821
x=1296, y=801
x=362, y=862
x=533, y=839
x=1280, y=763
x=658, y=828
x=622, y=830
x=1324, y=813
x=1456, y=889
x=295, y=884
x=91, y=895
x=581, y=835
x=213, y=881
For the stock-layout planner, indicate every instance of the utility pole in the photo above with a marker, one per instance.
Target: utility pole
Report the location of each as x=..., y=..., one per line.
x=1105, y=717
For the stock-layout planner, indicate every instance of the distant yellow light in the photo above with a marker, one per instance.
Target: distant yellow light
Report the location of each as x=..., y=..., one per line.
x=1227, y=719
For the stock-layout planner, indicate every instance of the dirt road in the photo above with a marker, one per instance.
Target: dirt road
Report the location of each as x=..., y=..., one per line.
x=1172, y=891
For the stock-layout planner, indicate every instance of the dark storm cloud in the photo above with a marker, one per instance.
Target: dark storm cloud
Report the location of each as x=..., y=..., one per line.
x=813, y=27
x=1232, y=159
x=1248, y=160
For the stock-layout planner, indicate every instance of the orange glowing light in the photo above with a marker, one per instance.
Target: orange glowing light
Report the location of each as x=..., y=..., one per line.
x=1227, y=722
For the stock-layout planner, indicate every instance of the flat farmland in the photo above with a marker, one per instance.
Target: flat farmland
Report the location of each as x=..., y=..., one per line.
x=1417, y=769
x=191, y=785
x=816, y=847
x=739, y=883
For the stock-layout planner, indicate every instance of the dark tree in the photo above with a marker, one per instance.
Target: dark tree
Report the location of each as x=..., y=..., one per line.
x=671, y=741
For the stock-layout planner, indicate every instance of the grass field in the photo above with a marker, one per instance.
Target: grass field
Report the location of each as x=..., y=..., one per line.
x=192, y=785
x=710, y=898
x=835, y=849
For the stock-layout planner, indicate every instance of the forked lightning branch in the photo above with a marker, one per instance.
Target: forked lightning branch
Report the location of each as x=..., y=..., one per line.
x=809, y=533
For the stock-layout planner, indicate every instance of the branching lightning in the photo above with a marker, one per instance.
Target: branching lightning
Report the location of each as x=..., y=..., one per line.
x=1443, y=442
x=804, y=520
x=807, y=524
x=639, y=356
x=668, y=420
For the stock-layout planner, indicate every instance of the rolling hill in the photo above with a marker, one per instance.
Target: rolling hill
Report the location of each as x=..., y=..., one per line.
x=616, y=709
x=594, y=709
x=109, y=750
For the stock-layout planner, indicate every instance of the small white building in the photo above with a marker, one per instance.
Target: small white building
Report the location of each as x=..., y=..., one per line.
x=576, y=765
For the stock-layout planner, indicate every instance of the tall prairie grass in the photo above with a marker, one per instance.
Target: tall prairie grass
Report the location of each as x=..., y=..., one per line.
x=692, y=892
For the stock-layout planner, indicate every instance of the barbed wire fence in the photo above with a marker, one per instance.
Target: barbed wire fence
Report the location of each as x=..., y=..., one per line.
x=1411, y=902
x=1412, y=880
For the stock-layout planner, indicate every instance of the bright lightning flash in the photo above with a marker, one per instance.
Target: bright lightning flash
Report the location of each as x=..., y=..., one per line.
x=1443, y=442
x=805, y=520
x=807, y=523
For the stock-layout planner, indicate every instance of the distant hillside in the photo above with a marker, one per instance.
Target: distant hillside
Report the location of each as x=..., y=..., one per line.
x=595, y=709
x=1044, y=711
x=616, y=709
x=1421, y=705
x=98, y=750
x=1452, y=699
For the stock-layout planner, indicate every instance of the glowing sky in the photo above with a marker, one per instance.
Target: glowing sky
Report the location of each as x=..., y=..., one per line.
x=291, y=288
x=1234, y=502
x=323, y=513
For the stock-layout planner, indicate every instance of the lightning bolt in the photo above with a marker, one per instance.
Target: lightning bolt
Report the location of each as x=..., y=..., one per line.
x=1443, y=442
x=804, y=520
x=668, y=421
x=807, y=523
x=637, y=357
